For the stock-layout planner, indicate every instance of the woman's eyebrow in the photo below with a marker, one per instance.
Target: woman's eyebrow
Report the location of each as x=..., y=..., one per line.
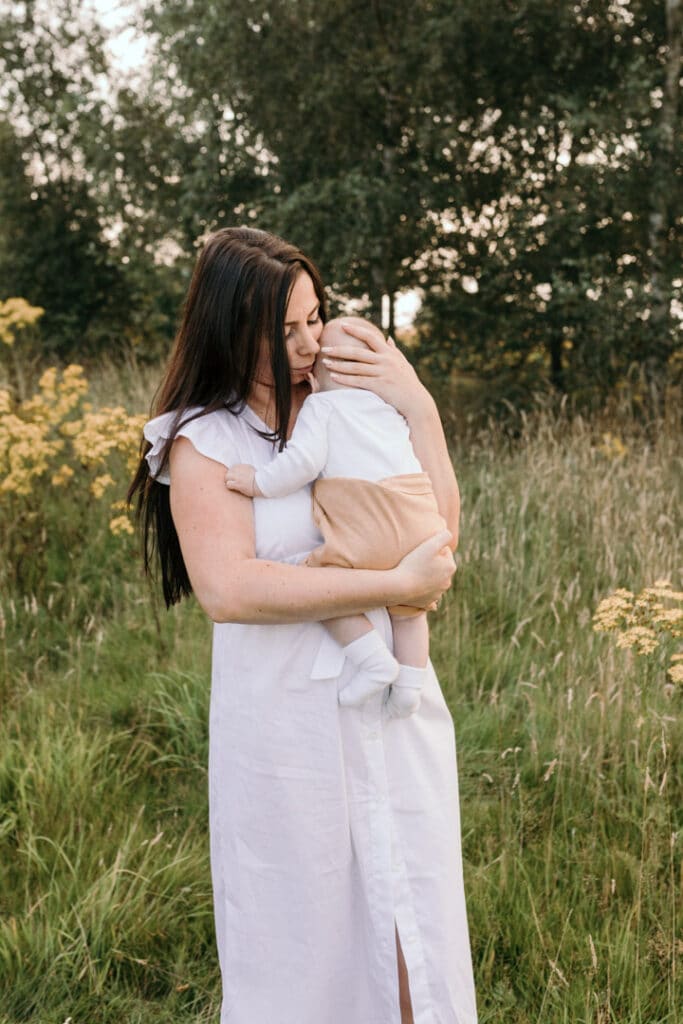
x=288, y=323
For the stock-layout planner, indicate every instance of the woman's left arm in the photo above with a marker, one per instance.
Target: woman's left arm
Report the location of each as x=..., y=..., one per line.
x=384, y=369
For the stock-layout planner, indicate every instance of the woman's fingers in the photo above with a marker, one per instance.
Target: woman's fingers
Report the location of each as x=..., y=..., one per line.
x=434, y=544
x=354, y=379
x=362, y=365
x=349, y=352
x=383, y=369
x=430, y=566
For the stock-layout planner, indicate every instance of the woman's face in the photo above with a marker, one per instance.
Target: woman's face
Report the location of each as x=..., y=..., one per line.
x=303, y=328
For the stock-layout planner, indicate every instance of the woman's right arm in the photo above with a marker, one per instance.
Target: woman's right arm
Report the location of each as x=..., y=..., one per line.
x=216, y=533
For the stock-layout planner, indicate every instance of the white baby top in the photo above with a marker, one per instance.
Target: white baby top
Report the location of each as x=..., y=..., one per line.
x=349, y=432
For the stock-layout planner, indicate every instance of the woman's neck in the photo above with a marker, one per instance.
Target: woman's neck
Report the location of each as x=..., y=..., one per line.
x=261, y=400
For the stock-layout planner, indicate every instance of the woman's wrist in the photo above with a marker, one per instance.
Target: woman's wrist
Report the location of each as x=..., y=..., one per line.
x=397, y=586
x=421, y=408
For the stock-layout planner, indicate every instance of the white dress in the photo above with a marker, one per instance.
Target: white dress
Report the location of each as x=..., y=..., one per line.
x=328, y=825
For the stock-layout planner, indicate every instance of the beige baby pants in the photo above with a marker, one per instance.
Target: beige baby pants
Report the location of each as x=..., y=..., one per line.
x=368, y=525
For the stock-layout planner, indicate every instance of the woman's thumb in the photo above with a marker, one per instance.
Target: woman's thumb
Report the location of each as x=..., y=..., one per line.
x=441, y=539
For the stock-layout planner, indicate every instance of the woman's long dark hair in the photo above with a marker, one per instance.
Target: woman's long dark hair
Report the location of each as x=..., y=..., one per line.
x=236, y=301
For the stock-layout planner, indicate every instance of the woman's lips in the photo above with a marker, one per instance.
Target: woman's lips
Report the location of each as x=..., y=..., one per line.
x=304, y=369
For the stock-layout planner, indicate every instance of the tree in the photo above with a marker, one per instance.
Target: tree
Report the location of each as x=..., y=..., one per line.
x=665, y=191
x=62, y=200
x=434, y=145
x=561, y=272
x=322, y=96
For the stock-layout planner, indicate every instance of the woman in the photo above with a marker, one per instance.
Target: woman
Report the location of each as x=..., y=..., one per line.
x=335, y=838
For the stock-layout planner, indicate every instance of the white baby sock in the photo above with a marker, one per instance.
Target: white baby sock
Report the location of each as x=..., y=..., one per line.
x=376, y=669
x=404, y=696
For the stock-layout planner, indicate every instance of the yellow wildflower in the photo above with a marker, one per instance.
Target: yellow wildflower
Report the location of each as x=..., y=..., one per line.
x=612, y=447
x=75, y=374
x=48, y=381
x=642, y=622
x=70, y=429
x=106, y=431
x=613, y=611
x=25, y=453
x=15, y=315
x=675, y=673
x=120, y=525
x=100, y=484
x=642, y=638
x=62, y=476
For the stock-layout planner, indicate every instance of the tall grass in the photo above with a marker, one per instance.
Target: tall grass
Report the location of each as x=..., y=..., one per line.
x=569, y=753
x=569, y=750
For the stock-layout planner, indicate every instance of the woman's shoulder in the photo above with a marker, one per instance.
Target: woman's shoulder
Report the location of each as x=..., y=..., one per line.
x=215, y=434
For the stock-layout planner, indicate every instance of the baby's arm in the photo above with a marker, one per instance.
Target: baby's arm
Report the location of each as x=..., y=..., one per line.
x=241, y=477
x=299, y=463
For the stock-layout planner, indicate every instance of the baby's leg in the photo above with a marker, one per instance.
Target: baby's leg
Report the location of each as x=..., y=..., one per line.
x=411, y=647
x=364, y=647
x=411, y=639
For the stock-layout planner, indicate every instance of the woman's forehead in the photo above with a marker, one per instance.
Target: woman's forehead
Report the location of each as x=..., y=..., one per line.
x=303, y=299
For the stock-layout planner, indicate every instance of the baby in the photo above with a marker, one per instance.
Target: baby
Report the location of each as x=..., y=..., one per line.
x=372, y=503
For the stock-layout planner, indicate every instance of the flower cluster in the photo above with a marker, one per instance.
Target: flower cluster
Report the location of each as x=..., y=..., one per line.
x=57, y=435
x=644, y=621
x=15, y=315
x=612, y=447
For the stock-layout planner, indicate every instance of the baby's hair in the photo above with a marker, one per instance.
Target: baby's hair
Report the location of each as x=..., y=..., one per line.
x=352, y=320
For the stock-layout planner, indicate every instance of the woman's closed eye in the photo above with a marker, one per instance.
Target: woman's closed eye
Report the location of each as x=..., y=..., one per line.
x=289, y=334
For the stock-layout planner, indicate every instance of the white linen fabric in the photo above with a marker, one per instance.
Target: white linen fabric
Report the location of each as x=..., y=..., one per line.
x=346, y=432
x=329, y=826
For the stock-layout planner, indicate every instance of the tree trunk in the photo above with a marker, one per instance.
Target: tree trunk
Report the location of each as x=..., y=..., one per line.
x=377, y=293
x=661, y=214
x=392, y=303
x=556, y=367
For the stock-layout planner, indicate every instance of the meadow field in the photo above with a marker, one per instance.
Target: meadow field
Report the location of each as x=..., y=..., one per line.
x=569, y=746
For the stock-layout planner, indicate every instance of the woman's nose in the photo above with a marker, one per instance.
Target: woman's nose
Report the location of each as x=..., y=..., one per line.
x=310, y=342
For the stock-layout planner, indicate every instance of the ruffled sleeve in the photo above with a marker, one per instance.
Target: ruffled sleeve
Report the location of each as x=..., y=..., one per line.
x=212, y=435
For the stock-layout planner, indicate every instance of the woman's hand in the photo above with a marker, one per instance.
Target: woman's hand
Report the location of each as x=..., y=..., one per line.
x=381, y=367
x=427, y=570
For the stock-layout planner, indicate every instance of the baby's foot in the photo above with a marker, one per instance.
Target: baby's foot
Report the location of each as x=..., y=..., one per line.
x=404, y=696
x=376, y=669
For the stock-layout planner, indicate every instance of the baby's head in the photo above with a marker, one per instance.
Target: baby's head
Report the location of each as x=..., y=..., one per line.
x=334, y=335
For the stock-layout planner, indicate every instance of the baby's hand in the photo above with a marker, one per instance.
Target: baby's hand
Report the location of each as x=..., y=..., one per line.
x=315, y=387
x=241, y=478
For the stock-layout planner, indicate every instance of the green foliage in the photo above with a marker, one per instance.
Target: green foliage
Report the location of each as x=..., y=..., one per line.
x=61, y=196
x=509, y=163
x=517, y=164
x=555, y=274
